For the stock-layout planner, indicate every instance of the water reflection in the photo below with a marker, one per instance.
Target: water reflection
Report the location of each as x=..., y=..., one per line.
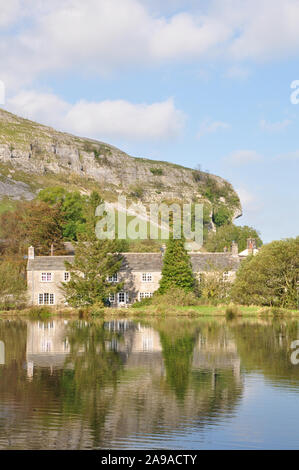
x=125, y=383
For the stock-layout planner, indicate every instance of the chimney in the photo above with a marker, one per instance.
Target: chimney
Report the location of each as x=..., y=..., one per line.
x=235, y=249
x=31, y=252
x=52, y=250
x=251, y=245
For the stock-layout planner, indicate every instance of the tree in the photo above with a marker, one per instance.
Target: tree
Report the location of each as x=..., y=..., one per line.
x=94, y=261
x=225, y=235
x=12, y=284
x=32, y=223
x=222, y=216
x=177, y=269
x=271, y=277
x=75, y=208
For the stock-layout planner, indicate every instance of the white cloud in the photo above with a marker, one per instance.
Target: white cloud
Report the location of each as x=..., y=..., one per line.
x=105, y=119
x=238, y=72
x=292, y=156
x=274, y=126
x=248, y=200
x=209, y=127
x=243, y=157
x=9, y=12
x=103, y=36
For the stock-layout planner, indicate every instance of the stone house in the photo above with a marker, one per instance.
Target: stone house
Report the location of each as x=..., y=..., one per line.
x=140, y=272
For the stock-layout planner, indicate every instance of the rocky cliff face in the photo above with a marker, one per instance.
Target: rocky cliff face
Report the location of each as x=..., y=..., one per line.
x=33, y=156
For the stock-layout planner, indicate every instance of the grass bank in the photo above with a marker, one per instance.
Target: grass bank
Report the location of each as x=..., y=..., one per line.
x=228, y=311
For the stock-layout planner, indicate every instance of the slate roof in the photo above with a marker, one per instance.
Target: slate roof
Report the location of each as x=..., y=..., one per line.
x=144, y=262
x=51, y=263
x=204, y=262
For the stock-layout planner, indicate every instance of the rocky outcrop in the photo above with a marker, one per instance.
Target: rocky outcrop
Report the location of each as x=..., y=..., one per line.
x=51, y=157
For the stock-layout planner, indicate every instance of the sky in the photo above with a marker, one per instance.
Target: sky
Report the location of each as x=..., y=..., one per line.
x=201, y=83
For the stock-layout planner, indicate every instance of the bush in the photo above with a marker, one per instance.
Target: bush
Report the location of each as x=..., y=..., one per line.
x=156, y=171
x=39, y=312
x=232, y=311
x=175, y=297
x=222, y=216
x=143, y=303
x=137, y=192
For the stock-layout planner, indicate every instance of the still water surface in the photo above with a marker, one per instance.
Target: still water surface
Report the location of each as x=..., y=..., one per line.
x=168, y=383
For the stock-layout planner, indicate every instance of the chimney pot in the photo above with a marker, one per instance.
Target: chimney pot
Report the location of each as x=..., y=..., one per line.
x=235, y=249
x=31, y=252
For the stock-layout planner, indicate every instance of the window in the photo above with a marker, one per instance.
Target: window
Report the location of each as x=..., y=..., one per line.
x=46, y=277
x=146, y=277
x=226, y=276
x=113, y=278
x=145, y=295
x=112, y=297
x=46, y=299
x=66, y=276
x=123, y=297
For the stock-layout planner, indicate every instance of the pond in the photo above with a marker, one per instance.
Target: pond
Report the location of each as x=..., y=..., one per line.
x=168, y=383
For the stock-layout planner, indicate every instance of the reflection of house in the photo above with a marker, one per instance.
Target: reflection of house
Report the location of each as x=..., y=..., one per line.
x=47, y=344
x=216, y=354
x=140, y=272
x=139, y=345
x=2, y=353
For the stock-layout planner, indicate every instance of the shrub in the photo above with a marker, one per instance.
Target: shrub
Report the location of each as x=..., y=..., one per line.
x=143, y=303
x=137, y=192
x=232, y=311
x=175, y=297
x=222, y=216
x=39, y=312
x=156, y=171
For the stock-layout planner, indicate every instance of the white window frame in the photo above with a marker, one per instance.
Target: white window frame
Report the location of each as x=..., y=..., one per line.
x=146, y=277
x=112, y=298
x=226, y=276
x=125, y=296
x=66, y=276
x=113, y=278
x=46, y=298
x=145, y=295
x=46, y=277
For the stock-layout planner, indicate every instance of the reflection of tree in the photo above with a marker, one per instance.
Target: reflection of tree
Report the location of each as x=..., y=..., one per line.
x=266, y=347
x=178, y=345
x=90, y=371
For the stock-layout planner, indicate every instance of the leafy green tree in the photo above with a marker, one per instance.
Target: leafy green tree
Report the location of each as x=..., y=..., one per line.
x=225, y=235
x=177, y=269
x=94, y=261
x=222, y=216
x=271, y=277
x=76, y=209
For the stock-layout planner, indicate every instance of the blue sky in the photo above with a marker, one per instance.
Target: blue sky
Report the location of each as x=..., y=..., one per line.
x=191, y=82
